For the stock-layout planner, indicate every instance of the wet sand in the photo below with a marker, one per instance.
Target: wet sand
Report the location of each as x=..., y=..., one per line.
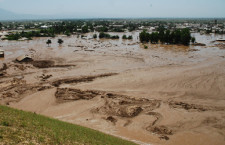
x=166, y=94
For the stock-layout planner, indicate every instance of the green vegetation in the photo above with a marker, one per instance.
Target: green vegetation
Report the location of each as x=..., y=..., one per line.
x=19, y=127
x=117, y=30
x=1, y=26
x=15, y=36
x=193, y=40
x=102, y=29
x=28, y=35
x=85, y=29
x=95, y=36
x=178, y=36
x=104, y=35
x=115, y=37
x=129, y=37
x=60, y=41
x=107, y=36
x=48, y=42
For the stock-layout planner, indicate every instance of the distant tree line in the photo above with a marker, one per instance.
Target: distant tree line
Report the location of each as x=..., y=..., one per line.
x=179, y=36
x=28, y=35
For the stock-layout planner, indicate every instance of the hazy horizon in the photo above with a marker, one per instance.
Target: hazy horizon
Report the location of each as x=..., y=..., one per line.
x=118, y=8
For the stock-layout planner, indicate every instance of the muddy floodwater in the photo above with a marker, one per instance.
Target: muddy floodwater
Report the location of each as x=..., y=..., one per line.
x=166, y=94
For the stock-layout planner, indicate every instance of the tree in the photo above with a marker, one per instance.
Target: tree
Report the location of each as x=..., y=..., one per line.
x=102, y=29
x=85, y=29
x=48, y=42
x=60, y=41
x=154, y=37
x=185, y=36
x=95, y=36
x=115, y=37
x=1, y=26
x=67, y=33
x=167, y=37
x=104, y=35
x=162, y=36
x=193, y=40
x=130, y=37
x=177, y=36
x=124, y=37
x=144, y=36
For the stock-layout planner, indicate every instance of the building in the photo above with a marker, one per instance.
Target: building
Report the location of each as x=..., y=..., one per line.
x=24, y=58
x=2, y=53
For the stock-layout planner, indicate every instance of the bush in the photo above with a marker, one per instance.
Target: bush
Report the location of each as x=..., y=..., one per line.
x=107, y=36
x=193, y=40
x=124, y=37
x=115, y=37
x=60, y=41
x=104, y=35
x=130, y=37
x=95, y=36
x=5, y=123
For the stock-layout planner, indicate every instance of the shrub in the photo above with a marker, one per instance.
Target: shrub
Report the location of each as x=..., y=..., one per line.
x=130, y=37
x=95, y=36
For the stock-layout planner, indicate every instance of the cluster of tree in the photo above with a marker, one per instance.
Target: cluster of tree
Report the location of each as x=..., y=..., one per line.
x=85, y=29
x=127, y=37
x=108, y=36
x=1, y=26
x=102, y=29
x=48, y=42
x=28, y=35
x=117, y=30
x=179, y=36
x=15, y=36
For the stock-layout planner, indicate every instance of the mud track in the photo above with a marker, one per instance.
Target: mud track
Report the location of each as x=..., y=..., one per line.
x=125, y=106
x=57, y=83
x=194, y=107
x=17, y=88
x=67, y=94
x=47, y=64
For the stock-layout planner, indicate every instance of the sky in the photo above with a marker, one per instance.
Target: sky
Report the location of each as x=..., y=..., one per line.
x=118, y=8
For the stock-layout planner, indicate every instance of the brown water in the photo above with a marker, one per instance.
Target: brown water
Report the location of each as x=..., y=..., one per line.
x=184, y=87
x=73, y=45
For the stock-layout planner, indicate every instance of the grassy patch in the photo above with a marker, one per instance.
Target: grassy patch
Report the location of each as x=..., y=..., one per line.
x=19, y=127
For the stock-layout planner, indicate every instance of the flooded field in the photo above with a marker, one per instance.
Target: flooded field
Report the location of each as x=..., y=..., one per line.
x=166, y=94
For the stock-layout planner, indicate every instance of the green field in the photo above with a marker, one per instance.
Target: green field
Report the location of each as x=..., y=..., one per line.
x=19, y=127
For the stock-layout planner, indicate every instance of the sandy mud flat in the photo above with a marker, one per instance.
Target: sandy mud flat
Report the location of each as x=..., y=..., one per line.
x=163, y=95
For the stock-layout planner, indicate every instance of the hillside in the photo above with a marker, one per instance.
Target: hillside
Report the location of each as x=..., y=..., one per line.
x=6, y=15
x=19, y=127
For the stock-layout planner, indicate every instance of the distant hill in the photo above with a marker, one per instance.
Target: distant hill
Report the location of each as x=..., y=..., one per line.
x=7, y=15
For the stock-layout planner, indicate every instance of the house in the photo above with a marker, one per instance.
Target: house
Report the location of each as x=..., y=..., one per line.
x=44, y=27
x=2, y=53
x=24, y=58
